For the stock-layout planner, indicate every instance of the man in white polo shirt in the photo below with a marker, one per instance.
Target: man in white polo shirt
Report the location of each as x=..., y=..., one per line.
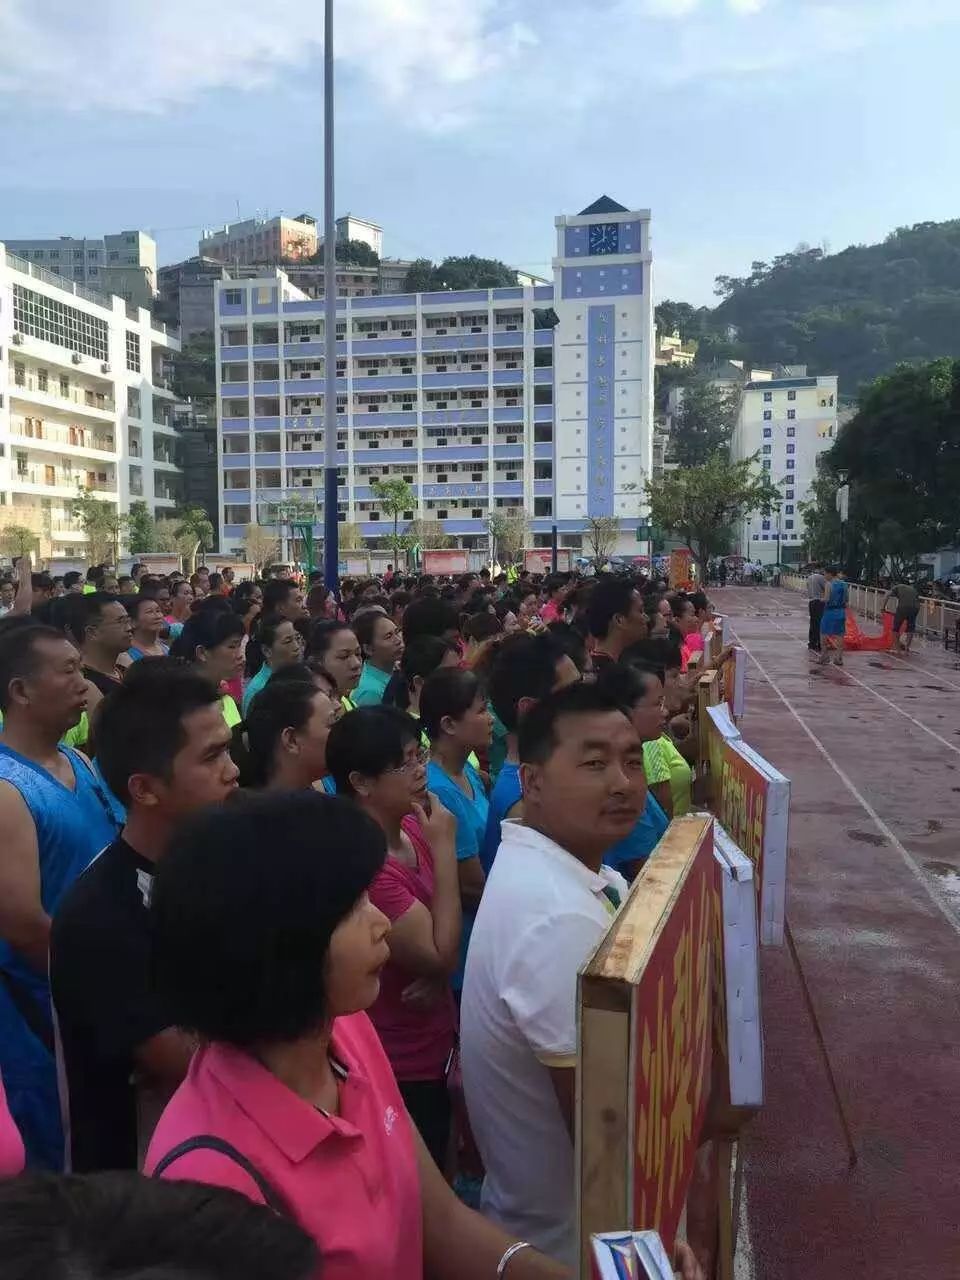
x=545, y=906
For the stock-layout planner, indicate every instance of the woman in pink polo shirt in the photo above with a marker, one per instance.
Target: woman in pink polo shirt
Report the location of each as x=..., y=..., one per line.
x=376, y=758
x=268, y=947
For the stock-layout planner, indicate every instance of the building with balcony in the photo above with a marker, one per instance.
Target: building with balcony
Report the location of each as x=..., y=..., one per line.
x=786, y=419
x=93, y=262
x=537, y=397
x=85, y=403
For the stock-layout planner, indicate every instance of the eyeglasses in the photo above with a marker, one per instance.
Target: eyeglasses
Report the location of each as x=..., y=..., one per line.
x=416, y=762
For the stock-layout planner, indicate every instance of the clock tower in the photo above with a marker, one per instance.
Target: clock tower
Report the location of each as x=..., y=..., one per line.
x=603, y=357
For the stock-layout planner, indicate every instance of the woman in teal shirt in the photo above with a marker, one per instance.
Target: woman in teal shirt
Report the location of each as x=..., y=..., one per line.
x=456, y=719
x=280, y=642
x=382, y=644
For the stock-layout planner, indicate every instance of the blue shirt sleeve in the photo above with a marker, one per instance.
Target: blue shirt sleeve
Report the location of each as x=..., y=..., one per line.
x=452, y=798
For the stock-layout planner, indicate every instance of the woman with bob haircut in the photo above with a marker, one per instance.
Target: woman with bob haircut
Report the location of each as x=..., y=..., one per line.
x=271, y=950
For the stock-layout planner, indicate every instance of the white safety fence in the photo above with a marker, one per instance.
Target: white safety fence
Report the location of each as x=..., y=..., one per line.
x=935, y=619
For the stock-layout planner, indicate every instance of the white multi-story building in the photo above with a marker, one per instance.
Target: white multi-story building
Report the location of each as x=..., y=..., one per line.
x=350, y=227
x=538, y=397
x=84, y=261
x=85, y=404
x=787, y=419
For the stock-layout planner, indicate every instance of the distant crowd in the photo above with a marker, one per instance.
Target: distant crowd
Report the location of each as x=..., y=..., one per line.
x=295, y=889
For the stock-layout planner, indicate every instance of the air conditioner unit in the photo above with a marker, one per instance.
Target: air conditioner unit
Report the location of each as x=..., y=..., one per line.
x=476, y=404
x=511, y=364
x=476, y=368
x=76, y=357
x=372, y=373
x=407, y=404
x=305, y=373
x=408, y=444
x=511, y=328
x=372, y=335
x=17, y=339
x=441, y=404
x=442, y=479
x=441, y=333
x=104, y=368
x=476, y=329
x=441, y=442
x=406, y=368
x=510, y=402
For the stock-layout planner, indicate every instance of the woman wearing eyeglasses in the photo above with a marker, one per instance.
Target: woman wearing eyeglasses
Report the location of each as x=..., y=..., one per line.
x=375, y=757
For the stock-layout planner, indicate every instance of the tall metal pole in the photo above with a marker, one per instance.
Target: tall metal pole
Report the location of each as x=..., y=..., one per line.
x=331, y=530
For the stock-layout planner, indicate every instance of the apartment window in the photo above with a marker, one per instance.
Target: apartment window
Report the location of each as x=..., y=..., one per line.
x=766, y=464
x=543, y=433
x=767, y=448
x=767, y=415
x=93, y=254
x=264, y=296
x=543, y=506
x=42, y=380
x=791, y=448
x=78, y=255
x=766, y=524
x=790, y=493
x=791, y=413
x=52, y=321
x=791, y=395
x=789, y=508
x=114, y=255
x=788, y=524
x=133, y=402
x=64, y=386
x=54, y=255
x=233, y=297
x=19, y=374
x=767, y=432
x=791, y=431
x=133, y=351
x=767, y=397
x=791, y=464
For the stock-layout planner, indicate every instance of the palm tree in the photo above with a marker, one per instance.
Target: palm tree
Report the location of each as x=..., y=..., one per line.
x=194, y=523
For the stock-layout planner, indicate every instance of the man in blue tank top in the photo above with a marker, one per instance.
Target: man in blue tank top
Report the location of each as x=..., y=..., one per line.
x=55, y=819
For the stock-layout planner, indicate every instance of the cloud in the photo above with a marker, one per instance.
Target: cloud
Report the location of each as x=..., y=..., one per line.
x=436, y=65
x=147, y=57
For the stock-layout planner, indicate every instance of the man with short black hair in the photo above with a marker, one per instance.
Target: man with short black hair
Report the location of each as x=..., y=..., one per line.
x=545, y=906
x=73, y=582
x=283, y=596
x=102, y=629
x=54, y=818
x=616, y=618
x=164, y=750
x=525, y=669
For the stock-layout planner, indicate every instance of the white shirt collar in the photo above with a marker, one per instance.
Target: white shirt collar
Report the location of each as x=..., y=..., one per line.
x=516, y=834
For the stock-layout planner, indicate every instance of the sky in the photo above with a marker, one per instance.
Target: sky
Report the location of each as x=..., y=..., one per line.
x=465, y=126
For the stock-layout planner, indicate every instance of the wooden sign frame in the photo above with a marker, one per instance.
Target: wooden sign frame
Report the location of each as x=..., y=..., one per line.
x=644, y=1060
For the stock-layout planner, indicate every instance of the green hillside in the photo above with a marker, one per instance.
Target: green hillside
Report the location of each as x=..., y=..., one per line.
x=857, y=313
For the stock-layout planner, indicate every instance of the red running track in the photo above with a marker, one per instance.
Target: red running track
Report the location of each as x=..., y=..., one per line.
x=873, y=752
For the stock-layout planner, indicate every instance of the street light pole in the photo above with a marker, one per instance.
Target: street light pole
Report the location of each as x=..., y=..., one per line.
x=331, y=528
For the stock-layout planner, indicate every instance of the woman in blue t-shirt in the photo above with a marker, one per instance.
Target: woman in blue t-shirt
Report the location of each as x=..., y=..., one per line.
x=456, y=719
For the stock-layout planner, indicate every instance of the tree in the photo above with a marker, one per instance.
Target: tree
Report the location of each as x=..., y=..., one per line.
x=703, y=504
x=601, y=535
x=142, y=529
x=395, y=498
x=901, y=456
x=354, y=253
x=704, y=423
x=350, y=538
x=470, y=272
x=17, y=540
x=430, y=535
x=102, y=524
x=261, y=545
x=508, y=529
x=420, y=276
x=193, y=524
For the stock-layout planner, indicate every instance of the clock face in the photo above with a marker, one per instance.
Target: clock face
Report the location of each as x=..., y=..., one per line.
x=605, y=237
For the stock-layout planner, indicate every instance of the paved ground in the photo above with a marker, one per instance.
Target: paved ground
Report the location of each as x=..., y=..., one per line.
x=863, y=1180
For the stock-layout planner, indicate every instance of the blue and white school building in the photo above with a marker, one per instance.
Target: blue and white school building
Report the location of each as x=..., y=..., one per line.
x=538, y=397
